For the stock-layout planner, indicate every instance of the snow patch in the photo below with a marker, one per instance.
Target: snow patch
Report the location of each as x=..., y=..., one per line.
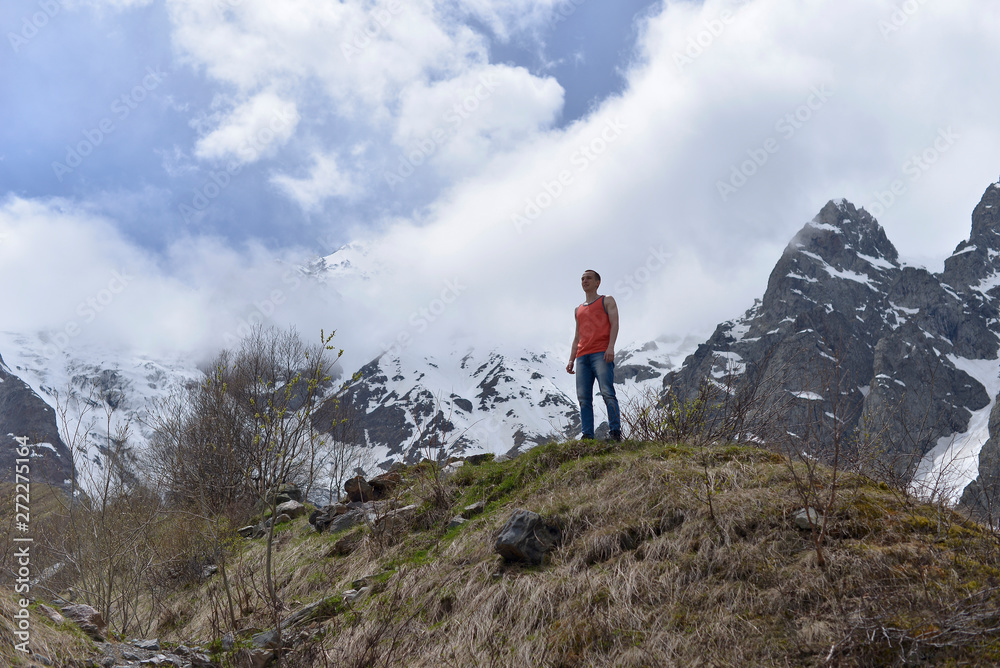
x=953, y=462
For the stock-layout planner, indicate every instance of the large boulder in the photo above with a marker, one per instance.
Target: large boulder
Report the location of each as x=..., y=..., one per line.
x=527, y=537
x=291, y=508
x=358, y=489
x=88, y=619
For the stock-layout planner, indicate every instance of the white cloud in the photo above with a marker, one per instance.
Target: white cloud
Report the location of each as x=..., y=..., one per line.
x=462, y=121
x=80, y=281
x=325, y=180
x=252, y=130
x=388, y=68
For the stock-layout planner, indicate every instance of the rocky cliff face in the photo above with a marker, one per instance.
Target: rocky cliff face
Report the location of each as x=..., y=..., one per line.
x=847, y=335
x=24, y=413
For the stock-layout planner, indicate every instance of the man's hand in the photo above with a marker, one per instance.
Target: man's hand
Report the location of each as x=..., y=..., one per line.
x=569, y=367
x=609, y=355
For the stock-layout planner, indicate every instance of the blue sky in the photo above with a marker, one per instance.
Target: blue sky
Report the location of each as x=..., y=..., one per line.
x=207, y=148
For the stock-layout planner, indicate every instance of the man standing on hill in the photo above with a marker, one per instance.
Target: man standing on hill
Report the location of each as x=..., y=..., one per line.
x=593, y=353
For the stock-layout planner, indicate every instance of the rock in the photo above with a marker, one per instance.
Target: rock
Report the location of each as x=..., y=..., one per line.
x=346, y=521
x=266, y=639
x=88, y=619
x=228, y=642
x=476, y=460
x=289, y=492
x=395, y=520
x=259, y=658
x=209, y=571
x=51, y=613
x=526, y=537
x=248, y=531
x=150, y=645
x=358, y=489
x=802, y=516
x=199, y=660
x=291, y=508
x=453, y=467
x=384, y=485
x=456, y=522
x=356, y=595
x=322, y=609
x=474, y=509
x=282, y=518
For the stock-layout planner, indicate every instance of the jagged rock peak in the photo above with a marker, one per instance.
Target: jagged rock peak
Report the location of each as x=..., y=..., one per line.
x=975, y=263
x=841, y=229
x=986, y=218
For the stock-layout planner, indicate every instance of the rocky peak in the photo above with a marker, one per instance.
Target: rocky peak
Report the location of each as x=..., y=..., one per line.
x=974, y=265
x=841, y=233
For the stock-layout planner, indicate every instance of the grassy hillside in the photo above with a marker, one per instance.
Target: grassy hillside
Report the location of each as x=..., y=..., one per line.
x=648, y=572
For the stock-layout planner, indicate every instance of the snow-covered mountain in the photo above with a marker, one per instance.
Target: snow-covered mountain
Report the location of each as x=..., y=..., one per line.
x=93, y=395
x=473, y=400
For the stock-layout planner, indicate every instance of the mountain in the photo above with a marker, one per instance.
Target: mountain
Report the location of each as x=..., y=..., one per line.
x=846, y=335
x=472, y=400
x=80, y=399
x=849, y=336
x=24, y=414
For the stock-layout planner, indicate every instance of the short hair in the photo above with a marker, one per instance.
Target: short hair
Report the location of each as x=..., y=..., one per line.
x=596, y=275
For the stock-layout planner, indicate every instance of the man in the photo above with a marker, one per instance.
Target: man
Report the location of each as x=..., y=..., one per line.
x=593, y=353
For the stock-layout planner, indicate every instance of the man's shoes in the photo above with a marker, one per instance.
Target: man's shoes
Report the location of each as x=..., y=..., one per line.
x=615, y=437
x=587, y=437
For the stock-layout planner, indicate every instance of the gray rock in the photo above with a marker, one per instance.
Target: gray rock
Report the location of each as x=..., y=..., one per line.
x=266, y=639
x=259, y=658
x=456, y=522
x=346, y=521
x=291, y=508
x=527, y=537
x=88, y=619
x=356, y=595
x=396, y=520
x=152, y=645
x=281, y=519
x=474, y=509
x=248, y=531
x=803, y=516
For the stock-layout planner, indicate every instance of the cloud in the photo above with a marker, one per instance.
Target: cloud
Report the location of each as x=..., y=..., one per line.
x=81, y=282
x=402, y=74
x=250, y=131
x=736, y=123
x=464, y=120
x=739, y=121
x=325, y=180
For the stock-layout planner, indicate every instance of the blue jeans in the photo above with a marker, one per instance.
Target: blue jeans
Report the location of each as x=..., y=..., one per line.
x=589, y=368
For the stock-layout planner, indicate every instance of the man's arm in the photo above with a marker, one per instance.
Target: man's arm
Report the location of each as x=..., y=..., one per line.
x=612, y=307
x=572, y=348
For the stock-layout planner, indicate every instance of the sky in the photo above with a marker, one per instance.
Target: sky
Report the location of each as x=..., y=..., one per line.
x=168, y=166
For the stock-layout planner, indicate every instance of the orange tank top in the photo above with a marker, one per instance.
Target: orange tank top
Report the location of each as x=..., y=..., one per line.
x=595, y=327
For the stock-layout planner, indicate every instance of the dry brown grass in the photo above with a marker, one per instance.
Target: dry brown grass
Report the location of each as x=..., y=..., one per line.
x=644, y=576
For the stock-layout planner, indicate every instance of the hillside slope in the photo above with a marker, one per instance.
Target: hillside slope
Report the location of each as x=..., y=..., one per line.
x=648, y=572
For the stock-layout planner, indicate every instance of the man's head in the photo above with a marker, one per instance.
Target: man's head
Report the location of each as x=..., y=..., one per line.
x=590, y=280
